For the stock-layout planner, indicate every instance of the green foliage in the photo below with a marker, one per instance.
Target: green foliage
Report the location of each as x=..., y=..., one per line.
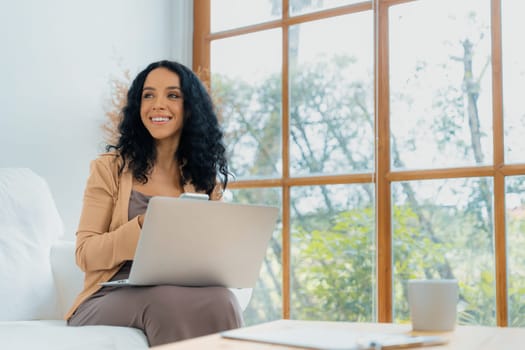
x=437, y=243
x=516, y=260
x=334, y=269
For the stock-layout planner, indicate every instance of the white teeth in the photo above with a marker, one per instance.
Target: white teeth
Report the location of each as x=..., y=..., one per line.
x=160, y=119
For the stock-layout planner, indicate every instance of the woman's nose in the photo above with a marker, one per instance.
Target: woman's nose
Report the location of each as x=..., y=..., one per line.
x=158, y=106
x=159, y=103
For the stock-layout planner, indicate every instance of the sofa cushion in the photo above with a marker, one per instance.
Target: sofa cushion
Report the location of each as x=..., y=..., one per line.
x=55, y=335
x=29, y=224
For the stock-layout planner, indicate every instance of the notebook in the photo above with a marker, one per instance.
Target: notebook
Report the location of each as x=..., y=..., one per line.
x=192, y=242
x=316, y=335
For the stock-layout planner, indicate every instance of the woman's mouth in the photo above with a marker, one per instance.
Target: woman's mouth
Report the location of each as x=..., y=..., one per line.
x=160, y=120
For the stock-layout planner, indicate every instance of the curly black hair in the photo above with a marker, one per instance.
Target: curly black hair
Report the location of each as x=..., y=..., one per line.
x=201, y=150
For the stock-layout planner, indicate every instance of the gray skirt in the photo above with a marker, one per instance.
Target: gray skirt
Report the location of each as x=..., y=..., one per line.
x=164, y=313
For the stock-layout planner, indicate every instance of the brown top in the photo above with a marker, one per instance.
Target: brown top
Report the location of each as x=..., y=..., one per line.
x=138, y=202
x=105, y=236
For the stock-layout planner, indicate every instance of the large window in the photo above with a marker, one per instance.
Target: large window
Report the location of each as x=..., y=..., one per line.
x=389, y=133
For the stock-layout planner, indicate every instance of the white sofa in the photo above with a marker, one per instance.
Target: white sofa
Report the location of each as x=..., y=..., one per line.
x=39, y=277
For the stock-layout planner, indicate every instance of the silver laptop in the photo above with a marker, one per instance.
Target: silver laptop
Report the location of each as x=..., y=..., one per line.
x=191, y=242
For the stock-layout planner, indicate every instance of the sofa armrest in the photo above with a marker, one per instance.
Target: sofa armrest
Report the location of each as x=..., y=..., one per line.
x=243, y=296
x=69, y=279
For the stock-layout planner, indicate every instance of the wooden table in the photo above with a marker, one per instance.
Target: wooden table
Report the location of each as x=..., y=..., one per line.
x=462, y=338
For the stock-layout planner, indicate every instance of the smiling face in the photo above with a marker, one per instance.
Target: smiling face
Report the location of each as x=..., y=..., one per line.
x=161, y=109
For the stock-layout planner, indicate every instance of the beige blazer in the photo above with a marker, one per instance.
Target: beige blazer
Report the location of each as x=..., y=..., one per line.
x=105, y=238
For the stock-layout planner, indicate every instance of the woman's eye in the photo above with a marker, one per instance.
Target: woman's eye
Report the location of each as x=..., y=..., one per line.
x=174, y=96
x=147, y=95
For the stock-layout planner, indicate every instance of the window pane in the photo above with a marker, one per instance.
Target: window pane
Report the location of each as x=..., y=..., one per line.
x=331, y=89
x=441, y=111
x=515, y=222
x=333, y=253
x=230, y=14
x=266, y=301
x=513, y=58
x=444, y=229
x=299, y=7
x=246, y=86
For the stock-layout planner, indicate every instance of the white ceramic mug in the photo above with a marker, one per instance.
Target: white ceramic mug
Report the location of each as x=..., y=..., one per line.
x=433, y=304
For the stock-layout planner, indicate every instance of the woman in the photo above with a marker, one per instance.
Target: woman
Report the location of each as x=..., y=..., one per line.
x=169, y=143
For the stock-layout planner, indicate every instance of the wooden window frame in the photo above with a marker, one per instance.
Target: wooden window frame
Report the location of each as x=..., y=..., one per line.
x=383, y=176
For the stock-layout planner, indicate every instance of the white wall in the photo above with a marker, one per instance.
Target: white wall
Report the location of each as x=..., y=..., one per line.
x=57, y=58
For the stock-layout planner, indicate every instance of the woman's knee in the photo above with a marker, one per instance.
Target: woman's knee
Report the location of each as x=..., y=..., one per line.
x=227, y=298
x=211, y=300
x=226, y=304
